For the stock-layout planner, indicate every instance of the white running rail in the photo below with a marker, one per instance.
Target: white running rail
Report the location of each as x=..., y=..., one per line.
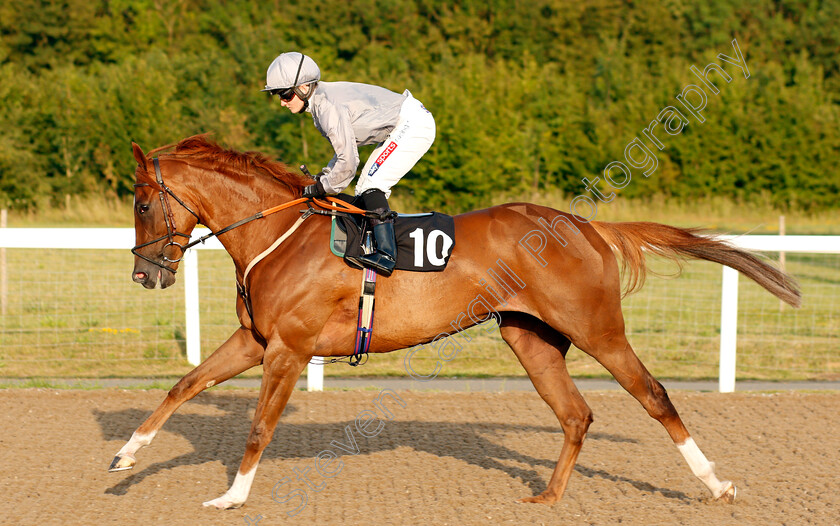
x=123, y=238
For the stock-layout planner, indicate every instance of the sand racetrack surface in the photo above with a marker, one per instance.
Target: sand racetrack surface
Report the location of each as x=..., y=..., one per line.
x=445, y=458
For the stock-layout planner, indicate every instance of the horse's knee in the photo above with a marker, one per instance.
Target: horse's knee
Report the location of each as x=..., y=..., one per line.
x=258, y=438
x=576, y=426
x=659, y=405
x=182, y=388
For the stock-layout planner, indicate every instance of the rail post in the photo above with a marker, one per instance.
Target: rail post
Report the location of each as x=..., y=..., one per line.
x=4, y=287
x=315, y=375
x=193, y=329
x=728, y=329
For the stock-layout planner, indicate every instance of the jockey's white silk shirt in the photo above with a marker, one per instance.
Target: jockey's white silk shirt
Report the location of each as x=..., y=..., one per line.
x=349, y=115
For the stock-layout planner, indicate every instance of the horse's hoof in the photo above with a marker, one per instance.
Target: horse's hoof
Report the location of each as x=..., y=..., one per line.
x=222, y=503
x=121, y=463
x=728, y=494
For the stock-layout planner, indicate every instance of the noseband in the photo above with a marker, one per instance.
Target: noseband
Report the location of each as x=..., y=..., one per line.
x=171, y=229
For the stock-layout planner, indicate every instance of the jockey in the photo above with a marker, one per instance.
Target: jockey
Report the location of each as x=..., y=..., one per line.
x=350, y=115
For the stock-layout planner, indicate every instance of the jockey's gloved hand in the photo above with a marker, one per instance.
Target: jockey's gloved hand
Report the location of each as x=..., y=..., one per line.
x=314, y=190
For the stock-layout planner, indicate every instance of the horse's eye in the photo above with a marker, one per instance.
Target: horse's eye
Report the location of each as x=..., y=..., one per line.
x=142, y=209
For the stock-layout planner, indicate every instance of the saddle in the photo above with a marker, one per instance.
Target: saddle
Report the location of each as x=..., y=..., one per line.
x=424, y=241
x=424, y=244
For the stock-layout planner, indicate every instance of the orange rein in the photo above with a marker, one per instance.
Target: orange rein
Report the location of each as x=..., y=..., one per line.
x=330, y=204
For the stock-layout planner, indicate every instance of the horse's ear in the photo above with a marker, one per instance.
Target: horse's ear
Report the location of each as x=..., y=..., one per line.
x=138, y=154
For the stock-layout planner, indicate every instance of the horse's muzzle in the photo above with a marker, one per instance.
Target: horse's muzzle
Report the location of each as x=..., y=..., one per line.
x=149, y=278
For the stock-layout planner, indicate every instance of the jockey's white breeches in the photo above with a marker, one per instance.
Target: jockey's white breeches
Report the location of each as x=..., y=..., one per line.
x=400, y=151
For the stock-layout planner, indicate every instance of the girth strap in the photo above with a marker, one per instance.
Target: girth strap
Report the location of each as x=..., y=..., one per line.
x=364, y=326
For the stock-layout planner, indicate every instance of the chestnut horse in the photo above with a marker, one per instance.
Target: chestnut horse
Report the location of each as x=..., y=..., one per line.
x=562, y=286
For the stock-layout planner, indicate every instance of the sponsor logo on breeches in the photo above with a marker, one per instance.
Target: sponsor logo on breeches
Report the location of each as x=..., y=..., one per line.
x=381, y=159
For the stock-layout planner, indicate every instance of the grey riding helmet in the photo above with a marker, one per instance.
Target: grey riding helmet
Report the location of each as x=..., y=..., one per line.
x=288, y=72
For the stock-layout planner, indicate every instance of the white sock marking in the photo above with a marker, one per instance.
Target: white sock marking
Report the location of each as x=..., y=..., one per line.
x=701, y=467
x=137, y=441
x=238, y=492
x=241, y=487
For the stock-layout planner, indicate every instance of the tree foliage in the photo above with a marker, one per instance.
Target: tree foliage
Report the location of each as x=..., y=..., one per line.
x=527, y=96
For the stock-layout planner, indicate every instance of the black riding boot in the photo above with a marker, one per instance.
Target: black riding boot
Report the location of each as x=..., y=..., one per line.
x=384, y=257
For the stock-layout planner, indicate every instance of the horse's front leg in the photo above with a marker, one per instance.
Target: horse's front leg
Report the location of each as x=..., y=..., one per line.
x=281, y=370
x=239, y=353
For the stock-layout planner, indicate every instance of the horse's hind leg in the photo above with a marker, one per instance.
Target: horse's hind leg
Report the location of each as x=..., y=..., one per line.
x=239, y=353
x=542, y=351
x=614, y=352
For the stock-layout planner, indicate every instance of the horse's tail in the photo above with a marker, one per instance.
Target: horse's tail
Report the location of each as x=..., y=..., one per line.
x=632, y=240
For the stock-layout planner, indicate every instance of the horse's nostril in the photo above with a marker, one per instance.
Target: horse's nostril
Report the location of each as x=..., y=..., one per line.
x=140, y=275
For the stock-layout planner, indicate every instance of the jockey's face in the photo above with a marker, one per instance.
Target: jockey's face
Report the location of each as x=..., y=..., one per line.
x=295, y=105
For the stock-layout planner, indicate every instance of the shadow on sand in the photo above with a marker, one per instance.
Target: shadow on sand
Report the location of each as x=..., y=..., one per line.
x=472, y=443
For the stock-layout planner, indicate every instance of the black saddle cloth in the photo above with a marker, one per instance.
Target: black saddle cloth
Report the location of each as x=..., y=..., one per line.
x=424, y=241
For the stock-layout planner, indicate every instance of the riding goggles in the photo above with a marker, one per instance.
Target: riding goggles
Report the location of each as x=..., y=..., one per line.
x=285, y=94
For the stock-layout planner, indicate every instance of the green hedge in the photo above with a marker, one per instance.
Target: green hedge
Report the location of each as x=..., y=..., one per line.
x=527, y=95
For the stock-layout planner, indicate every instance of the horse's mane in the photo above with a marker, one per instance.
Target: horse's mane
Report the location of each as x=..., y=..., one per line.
x=199, y=147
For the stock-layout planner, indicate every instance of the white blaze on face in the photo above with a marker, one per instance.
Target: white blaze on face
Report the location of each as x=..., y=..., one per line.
x=701, y=467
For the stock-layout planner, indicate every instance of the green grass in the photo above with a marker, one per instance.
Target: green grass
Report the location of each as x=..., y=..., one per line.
x=77, y=212
x=715, y=213
x=719, y=214
x=77, y=313
x=39, y=383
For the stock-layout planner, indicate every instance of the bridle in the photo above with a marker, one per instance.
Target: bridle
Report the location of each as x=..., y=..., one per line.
x=172, y=230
